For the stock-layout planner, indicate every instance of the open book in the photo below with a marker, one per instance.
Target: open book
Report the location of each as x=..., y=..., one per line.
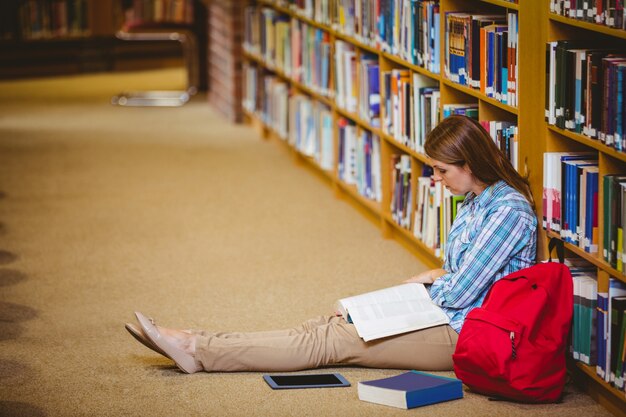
x=400, y=309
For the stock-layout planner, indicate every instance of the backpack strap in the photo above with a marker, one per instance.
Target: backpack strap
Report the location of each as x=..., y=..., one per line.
x=560, y=249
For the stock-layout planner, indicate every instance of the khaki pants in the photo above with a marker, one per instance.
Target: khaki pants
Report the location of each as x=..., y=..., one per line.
x=325, y=341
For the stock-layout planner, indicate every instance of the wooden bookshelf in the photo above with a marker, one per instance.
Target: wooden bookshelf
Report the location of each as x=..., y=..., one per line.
x=610, y=161
x=536, y=27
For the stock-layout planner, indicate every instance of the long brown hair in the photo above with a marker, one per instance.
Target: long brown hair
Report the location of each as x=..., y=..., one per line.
x=460, y=140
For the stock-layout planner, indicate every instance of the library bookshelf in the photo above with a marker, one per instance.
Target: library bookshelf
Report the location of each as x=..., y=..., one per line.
x=59, y=20
x=534, y=25
x=60, y=37
x=610, y=160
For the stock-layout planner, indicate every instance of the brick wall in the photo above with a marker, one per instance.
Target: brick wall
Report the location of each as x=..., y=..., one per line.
x=225, y=36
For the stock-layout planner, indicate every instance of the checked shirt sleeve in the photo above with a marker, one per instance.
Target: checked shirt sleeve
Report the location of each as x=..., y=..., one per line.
x=505, y=232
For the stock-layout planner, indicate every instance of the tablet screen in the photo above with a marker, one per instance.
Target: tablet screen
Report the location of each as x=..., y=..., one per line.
x=316, y=379
x=306, y=381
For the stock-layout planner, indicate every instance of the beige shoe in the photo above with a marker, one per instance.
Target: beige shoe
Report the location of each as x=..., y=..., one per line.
x=141, y=338
x=185, y=361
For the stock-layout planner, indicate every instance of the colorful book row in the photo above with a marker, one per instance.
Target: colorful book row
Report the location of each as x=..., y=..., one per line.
x=44, y=19
x=359, y=160
x=406, y=28
x=159, y=11
x=300, y=51
x=610, y=13
x=571, y=204
x=435, y=211
x=481, y=52
x=599, y=323
x=585, y=90
x=584, y=343
x=611, y=327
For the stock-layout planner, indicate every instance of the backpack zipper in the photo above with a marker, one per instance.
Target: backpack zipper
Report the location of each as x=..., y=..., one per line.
x=513, y=352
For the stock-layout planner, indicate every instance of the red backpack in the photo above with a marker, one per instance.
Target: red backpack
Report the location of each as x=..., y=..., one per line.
x=514, y=345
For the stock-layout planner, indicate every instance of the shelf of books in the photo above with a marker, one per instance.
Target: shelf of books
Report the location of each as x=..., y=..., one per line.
x=157, y=13
x=342, y=84
x=354, y=87
x=585, y=182
x=36, y=20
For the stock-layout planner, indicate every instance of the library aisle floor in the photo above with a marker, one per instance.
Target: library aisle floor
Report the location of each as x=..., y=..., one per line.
x=189, y=219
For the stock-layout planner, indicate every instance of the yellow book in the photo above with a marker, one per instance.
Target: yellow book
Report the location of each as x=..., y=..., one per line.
x=342, y=17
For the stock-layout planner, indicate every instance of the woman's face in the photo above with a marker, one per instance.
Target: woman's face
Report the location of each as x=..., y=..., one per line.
x=459, y=180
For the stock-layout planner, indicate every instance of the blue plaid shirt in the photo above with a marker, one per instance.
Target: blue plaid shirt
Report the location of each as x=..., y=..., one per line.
x=493, y=235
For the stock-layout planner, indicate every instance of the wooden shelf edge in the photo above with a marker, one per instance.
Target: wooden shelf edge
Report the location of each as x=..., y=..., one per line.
x=594, y=27
x=423, y=250
x=312, y=164
x=398, y=60
x=268, y=133
x=593, y=143
x=480, y=96
x=590, y=371
x=607, y=396
x=255, y=121
x=357, y=120
x=502, y=3
x=373, y=206
x=361, y=45
x=281, y=74
x=404, y=148
x=593, y=258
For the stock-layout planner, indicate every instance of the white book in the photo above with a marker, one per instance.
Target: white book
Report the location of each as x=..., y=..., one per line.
x=418, y=133
x=327, y=141
x=376, y=170
x=390, y=311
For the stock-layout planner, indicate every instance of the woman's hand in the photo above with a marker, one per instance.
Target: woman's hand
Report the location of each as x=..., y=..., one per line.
x=427, y=277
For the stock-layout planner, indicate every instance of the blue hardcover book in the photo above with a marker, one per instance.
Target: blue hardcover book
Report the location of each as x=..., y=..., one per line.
x=412, y=56
x=462, y=59
x=578, y=91
x=565, y=205
x=504, y=80
x=390, y=23
x=591, y=218
x=491, y=85
x=490, y=64
x=325, y=72
x=410, y=389
x=569, y=187
x=576, y=233
x=435, y=44
x=619, y=117
x=374, y=94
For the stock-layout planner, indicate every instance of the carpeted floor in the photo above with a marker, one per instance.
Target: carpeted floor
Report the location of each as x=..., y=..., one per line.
x=189, y=219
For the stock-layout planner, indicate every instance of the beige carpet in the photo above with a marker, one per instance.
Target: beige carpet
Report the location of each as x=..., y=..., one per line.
x=180, y=215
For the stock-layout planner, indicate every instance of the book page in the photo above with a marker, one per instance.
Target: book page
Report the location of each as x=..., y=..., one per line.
x=393, y=310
